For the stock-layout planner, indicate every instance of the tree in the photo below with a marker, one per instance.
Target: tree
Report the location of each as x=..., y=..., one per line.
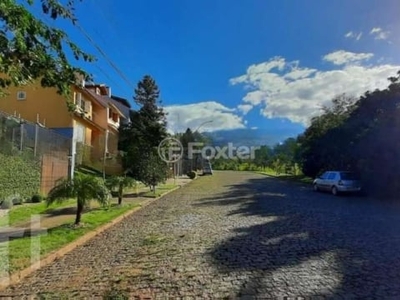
x=30, y=50
x=323, y=137
x=263, y=157
x=359, y=137
x=153, y=170
x=82, y=187
x=186, y=138
x=141, y=137
x=120, y=183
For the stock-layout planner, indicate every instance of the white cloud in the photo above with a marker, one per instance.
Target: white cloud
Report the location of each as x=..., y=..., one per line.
x=254, y=128
x=298, y=98
x=245, y=108
x=342, y=57
x=354, y=35
x=379, y=33
x=181, y=117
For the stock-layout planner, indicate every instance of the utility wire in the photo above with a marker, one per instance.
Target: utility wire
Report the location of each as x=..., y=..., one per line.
x=112, y=64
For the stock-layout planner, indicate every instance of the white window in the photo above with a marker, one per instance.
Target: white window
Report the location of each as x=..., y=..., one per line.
x=80, y=133
x=79, y=102
x=21, y=95
x=88, y=106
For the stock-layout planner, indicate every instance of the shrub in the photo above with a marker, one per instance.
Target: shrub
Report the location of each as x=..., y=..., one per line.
x=192, y=174
x=37, y=198
x=19, y=174
x=115, y=294
x=17, y=200
x=7, y=204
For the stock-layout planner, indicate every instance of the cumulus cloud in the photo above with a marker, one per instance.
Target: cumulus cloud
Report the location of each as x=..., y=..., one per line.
x=209, y=115
x=379, y=33
x=342, y=57
x=353, y=35
x=298, y=98
x=245, y=108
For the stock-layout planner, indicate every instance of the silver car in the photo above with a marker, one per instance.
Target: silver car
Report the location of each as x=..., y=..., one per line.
x=338, y=182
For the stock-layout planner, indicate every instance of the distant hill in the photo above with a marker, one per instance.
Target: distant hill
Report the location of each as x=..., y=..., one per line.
x=250, y=137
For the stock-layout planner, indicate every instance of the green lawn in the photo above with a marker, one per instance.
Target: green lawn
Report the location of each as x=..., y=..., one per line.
x=19, y=249
x=23, y=213
x=55, y=238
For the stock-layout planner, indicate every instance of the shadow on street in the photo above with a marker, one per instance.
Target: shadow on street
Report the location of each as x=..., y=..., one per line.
x=353, y=243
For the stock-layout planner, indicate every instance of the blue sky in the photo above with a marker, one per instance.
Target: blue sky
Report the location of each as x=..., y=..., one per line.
x=233, y=62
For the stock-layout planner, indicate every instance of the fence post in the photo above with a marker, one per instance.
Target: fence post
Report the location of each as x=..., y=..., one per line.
x=21, y=142
x=36, y=139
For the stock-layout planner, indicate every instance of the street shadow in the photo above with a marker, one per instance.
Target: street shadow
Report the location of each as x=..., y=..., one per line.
x=308, y=244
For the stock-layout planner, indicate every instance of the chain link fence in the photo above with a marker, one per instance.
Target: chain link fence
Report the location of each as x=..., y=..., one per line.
x=32, y=158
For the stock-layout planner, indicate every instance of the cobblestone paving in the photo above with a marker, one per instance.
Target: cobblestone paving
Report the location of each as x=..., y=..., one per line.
x=236, y=235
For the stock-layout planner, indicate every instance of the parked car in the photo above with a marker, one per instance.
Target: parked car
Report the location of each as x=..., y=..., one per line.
x=338, y=182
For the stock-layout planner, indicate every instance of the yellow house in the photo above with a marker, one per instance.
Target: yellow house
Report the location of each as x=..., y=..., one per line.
x=92, y=123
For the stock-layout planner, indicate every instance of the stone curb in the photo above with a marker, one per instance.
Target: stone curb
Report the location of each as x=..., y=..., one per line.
x=57, y=254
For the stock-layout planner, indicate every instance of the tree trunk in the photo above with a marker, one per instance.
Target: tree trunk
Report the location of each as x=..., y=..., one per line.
x=79, y=211
x=120, y=194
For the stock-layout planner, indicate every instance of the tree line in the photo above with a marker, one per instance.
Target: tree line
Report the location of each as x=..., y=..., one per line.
x=361, y=135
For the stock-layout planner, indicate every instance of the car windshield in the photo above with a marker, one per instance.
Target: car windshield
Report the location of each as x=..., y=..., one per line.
x=349, y=176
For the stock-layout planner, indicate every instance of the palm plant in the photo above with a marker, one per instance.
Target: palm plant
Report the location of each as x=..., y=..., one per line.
x=82, y=187
x=120, y=183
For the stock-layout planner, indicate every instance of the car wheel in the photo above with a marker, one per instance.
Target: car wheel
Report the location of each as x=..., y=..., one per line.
x=334, y=191
x=316, y=189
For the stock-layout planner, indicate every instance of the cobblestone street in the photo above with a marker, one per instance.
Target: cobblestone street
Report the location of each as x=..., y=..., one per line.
x=236, y=235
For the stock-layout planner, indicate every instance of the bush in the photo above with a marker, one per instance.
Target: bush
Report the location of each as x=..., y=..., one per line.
x=17, y=200
x=7, y=204
x=115, y=294
x=37, y=198
x=19, y=174
x=192, y=174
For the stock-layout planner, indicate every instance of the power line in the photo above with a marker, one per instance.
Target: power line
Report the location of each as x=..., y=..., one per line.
x=112, y=64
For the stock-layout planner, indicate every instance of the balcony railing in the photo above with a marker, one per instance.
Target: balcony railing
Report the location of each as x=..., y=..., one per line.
x=93, y=157
x=113, y=123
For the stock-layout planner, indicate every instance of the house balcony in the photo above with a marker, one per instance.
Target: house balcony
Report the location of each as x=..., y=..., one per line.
x=113, y=123
x=83, y=113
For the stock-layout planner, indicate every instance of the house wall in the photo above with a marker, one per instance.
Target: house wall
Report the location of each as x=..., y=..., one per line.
x=50, y=106
x=101, y=117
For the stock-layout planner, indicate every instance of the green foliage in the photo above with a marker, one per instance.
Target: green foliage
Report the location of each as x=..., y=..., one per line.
x=18, y=175
x=31, y=50
x=360, y=137
x=84, y=188
x=153, y=169
x=115, y=294
x=37, y=198
x=225, y=164
x=56, y=237
x=323, y=136
x=192, y=174
x=140, y=138
x=120, y=183
x=17, y=200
